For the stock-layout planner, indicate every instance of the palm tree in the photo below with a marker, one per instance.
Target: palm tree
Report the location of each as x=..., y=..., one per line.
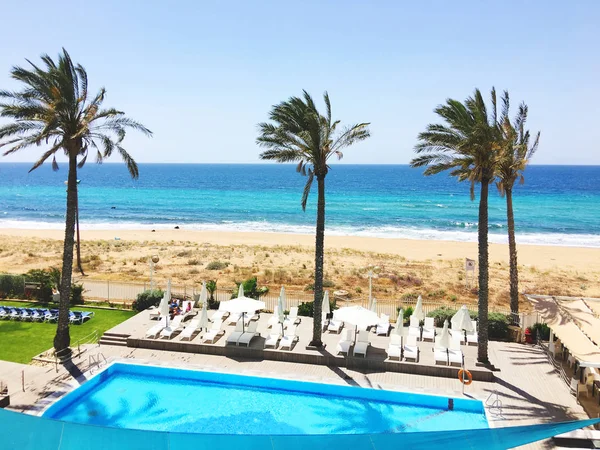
x=467, y=146
x=515, y=153
x=302, y=135
x=54, y=110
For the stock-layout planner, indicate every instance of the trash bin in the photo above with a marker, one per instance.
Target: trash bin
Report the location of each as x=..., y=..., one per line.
x=528, y=336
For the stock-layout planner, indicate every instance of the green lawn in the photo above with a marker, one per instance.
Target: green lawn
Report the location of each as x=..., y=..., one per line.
x=20, y=341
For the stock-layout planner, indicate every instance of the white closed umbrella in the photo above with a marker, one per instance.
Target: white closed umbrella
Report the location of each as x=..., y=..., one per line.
x=204, y=317
x=444, y=339
x=203, y=294
x=326, y=308
x=280, y=315
x=357, y=315
x=164, y=306
x=462, y=320
x=241, y=290
x=374, y=305
x=399, y=330
x=283, y=299
x=418, y=312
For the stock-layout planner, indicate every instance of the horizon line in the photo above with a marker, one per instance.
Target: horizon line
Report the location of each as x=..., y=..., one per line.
x=284, y=164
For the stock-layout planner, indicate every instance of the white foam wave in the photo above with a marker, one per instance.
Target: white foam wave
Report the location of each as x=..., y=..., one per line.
x=462, y=235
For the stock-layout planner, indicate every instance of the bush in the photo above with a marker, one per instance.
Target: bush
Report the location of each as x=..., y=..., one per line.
x=441, y=314
x=146, y=299
x=407, y=313
x=326, y=284
x=216, y=265
x=306, y=309
x=497, y=326
x=542, y=328
x=11, y=285
x=251, y=289
x=76, y=294
x=211, y=287
x=47, y=280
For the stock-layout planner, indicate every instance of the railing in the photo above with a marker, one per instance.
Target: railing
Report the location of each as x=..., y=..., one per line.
x=66, y=354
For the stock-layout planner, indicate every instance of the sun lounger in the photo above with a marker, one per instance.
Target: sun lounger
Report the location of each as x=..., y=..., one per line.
x=414, y=329
x=394, y=349
x=455, y=354
x=362, y=343
x=75, y=317
x=292, y=318
x=214, y=333
x=249, y=334
x=428, y=330
x=411, y=349
x=324, y=322
x=220, y=315
x=472, y=336
x=236, y=333
x=174, y=327
x=190, y=330
x=51, y=315
x=272, y=340
x=273, y=321
x=345, y=342
x=154, y=312
x=234, y=318
x=38, y=315
x=440, y=354
x=289, y=338
x=335, y=326
x=383, y=327
x=4, y=314
x=153, y=332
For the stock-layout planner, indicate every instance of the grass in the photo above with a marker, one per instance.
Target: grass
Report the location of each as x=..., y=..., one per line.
x=21, y=341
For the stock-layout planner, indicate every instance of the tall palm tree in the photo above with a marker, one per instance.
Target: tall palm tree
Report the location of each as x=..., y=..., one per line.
x=53, y=109
x=514, y=155
x=467, y=146
x=302, y=135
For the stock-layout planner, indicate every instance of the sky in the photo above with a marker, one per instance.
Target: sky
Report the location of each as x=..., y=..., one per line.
x=202, y=74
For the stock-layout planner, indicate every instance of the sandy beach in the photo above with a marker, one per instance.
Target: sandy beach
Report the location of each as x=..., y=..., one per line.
x=431, y=268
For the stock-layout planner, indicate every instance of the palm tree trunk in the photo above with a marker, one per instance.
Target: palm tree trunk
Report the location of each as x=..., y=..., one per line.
x=62, y=338
x=482, y=338
x=79, y=267
x=319, y=250
x=512, y=250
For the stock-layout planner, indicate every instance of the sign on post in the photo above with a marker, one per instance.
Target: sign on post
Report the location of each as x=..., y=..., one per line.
x=469, y=271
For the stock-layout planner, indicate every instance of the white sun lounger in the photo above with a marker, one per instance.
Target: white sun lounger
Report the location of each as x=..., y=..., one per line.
x=414, y=329
x=236, y=333
x=153, y=332
x=428, y=330
x=362, y=344
x=273, y=321
x=324, y=321
x=292, y=318
x=411, y=349
x=345, y=342
x=154, y=312
x=455, y=354
x=233, y=318
x=394, y=349
x=249, y=334
x=383, y=327
x=214, y=333
x=335, y=326
x=189, y=331
x=174, y=327
x=472, y=336
x=440, y=354
x=220, y=315
x=272, y=340
x=289, y=338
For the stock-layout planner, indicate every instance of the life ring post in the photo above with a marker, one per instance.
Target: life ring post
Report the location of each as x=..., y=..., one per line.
x=462, y=373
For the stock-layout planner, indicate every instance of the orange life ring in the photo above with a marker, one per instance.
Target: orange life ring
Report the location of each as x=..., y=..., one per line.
x=469, y=379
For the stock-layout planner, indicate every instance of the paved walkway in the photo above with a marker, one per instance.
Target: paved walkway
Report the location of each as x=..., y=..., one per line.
x=528, y=388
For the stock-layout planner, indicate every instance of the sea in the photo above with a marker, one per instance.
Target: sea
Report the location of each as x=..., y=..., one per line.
x=557, y=205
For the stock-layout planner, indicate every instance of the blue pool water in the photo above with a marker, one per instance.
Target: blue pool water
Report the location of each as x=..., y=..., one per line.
x=165, y=399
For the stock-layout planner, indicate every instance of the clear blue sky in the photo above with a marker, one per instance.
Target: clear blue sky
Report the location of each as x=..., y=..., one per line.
x=201, y=75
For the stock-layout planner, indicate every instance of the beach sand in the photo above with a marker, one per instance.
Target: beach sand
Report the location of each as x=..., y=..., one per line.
x=434, y=269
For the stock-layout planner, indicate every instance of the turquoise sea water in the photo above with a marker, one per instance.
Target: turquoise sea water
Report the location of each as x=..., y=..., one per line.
x=558, y=205
x=162, y=399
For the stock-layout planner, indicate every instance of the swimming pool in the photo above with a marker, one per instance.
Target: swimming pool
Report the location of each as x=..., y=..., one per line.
x=166, y=399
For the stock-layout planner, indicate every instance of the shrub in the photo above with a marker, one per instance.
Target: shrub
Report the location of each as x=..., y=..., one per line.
x=193, y=262
x=306, y=309
x=146, y=299
x=211, y=287
x=251, y=289
x=46, y=278
x=409, y=296
x=497, y=326
x=76, y=294
x=326, y=284
x=442, y=314
x=11, y=285
x=216, y=265
x=407, y=313
x=542, y=328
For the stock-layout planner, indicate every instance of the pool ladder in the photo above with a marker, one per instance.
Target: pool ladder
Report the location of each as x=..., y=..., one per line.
x=494, y=403
x=96, y=361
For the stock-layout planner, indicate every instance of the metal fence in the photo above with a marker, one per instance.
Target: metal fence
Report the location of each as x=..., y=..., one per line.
x=113, y=291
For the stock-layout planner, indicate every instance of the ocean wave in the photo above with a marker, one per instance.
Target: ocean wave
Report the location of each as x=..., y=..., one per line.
x=397, y=232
